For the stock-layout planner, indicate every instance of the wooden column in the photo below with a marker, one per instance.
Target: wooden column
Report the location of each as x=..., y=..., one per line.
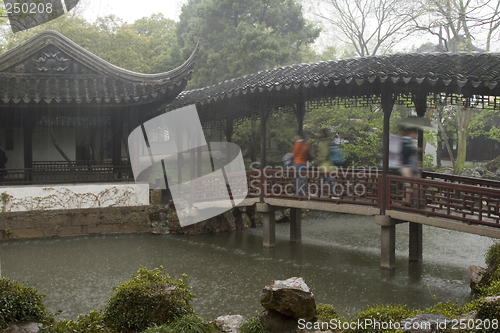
x=229, y=129
x=117, y=128
x=420, y=102
x=199, y=156
x=415, y=229
x=387, y=105
x=180, y=159
x=415, y=243
x=29, y=124
x=300, y=113
x=264, y=113
x=387, y=241
x=295, y=225
x=269, y=224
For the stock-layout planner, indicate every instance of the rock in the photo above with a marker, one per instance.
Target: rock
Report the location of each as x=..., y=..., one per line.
x=156, y=196
x=471, y=173
x=282, y=215
x=477, y=277
x=278, y=323
x=426, y=323
x=230, y=219
x=482, y=171
x=30, y=327
x=290, y=297
x=229, y=324
x=245, y=220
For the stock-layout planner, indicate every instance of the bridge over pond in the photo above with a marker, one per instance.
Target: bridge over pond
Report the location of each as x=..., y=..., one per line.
x=446, y=201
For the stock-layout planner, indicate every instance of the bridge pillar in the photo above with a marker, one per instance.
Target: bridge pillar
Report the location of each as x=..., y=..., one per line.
x=269, y=224
x=387, y=241
x=295, y=225
x=415, y=243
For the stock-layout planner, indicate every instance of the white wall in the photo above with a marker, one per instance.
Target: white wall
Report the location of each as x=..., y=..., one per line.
x=44, y=197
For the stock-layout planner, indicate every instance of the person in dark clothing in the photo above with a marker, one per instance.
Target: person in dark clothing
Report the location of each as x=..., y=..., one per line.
x=3, y=160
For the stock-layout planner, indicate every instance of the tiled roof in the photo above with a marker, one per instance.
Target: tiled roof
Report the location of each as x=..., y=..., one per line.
x=50, y=68
x=460, y=73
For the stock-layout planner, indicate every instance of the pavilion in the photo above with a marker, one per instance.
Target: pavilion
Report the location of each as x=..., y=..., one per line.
x=62, y=106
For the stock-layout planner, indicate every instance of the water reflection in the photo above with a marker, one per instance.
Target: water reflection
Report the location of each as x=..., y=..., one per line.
x=338, y=257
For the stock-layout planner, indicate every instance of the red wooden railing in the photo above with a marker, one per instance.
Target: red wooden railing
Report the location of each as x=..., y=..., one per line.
x=470, y=200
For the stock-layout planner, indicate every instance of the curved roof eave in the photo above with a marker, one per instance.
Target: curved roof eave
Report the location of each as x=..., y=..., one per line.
x=89, y=59
x=460, y=73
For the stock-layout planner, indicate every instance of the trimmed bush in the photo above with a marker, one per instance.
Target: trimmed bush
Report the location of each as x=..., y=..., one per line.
x=327, y=312
x=148, y=298
x=19, y=303
x=186, y=324
x=488, y=310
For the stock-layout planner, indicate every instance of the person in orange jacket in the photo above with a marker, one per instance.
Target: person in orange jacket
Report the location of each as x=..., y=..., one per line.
x=300, y=152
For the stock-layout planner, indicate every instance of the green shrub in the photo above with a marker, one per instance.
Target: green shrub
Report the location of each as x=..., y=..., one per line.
x=492, y=289
x=148, y=298
x=493, y=257
x=326, y=312
x=382, y=314
x=186, y=324
x=253, y=325
x=19, y=303
x=489, y=312
x=449, y=309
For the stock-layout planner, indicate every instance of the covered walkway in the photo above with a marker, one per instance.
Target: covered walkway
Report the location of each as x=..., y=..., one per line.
x=417, y=80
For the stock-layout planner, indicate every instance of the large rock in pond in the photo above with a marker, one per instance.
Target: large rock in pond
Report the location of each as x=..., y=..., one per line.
x=291, y=298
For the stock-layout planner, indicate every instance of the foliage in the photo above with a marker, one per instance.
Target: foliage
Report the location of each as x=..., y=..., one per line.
x=253, y=325
x=93, y=322
x=281, y=129
x=326, y=312
x=493, y=286
x=189, y=323
x=492, y=257
x=449, y=309
x=361, y=127
x=148, y=298
x=485, y=123
x=148, y=45
x=240, y=37
x=19, y=303
x=488, y=310
x=381, y=313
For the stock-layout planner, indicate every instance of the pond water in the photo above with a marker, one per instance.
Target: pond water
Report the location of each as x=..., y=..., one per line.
x=338, y=257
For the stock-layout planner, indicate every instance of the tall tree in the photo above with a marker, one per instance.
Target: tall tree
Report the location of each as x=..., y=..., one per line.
x=370, y=26
x=240, y=37
x=460, y=25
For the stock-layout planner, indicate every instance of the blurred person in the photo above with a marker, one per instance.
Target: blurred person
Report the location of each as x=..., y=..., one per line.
x=300, y=153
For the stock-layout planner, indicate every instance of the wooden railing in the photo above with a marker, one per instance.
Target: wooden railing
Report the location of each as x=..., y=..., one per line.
x=447, y=197
x=470, y=200
x=349, y=186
